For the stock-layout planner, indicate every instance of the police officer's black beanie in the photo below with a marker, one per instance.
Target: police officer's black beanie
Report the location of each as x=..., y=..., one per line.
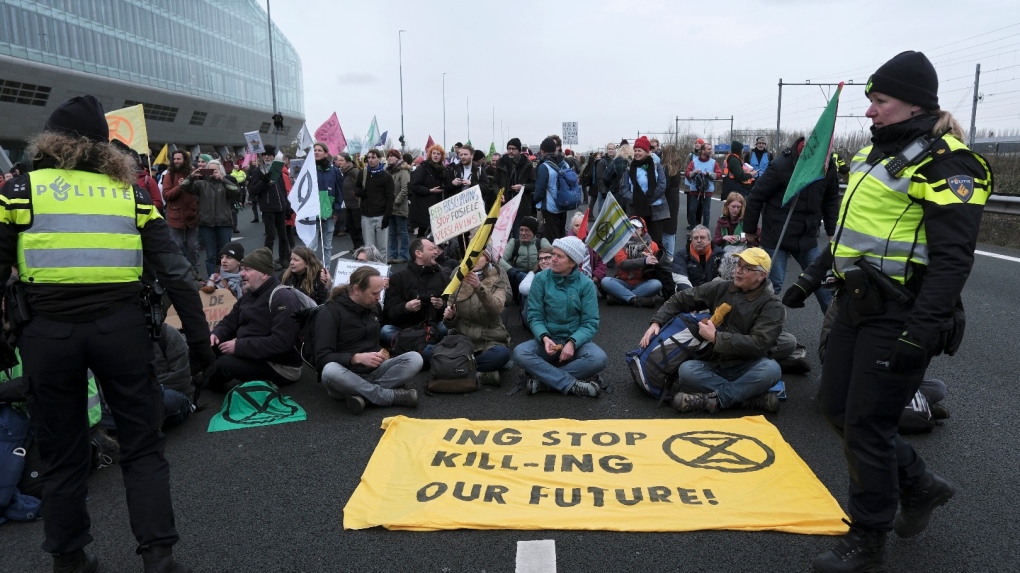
x=80, y=116
x=909, y=76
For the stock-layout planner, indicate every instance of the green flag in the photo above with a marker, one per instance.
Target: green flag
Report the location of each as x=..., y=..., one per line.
x=372, y=139
x=815, y=158
x=610, y=231
x=492, y=149
x=254, y=404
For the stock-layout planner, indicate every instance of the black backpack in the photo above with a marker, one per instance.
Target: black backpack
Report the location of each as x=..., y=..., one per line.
x=453, y=366
x=306, y=318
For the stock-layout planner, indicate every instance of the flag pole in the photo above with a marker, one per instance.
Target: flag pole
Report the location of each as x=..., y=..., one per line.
x=793, y=205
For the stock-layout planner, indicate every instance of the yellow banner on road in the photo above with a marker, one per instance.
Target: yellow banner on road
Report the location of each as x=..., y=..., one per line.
x=128, y=125
x=619, y=475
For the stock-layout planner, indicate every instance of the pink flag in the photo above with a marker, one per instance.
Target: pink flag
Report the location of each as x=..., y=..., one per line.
x=248, y=158
x=429, y=144
x=332, y=135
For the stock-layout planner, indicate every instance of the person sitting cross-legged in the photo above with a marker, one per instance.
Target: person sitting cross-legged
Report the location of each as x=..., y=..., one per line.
x=738, y=371
x=347, y=352
x=634, y=261
x=475, y=311
x=563, y=314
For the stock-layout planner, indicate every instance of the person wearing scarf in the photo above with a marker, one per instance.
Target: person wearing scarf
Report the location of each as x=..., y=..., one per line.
x=645, y=189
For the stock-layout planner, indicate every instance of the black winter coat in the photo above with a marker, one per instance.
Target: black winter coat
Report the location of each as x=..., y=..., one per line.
x=414, y=282
x=698, y=273
x=817, y=202
x=346, y=329
x=271, y=197
x=509, y=174
x=377, y=192
x=263, y=333
x=425, y=177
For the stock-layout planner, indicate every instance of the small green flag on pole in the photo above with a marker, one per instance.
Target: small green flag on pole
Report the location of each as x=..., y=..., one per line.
x=815, y=158
x=492, y=150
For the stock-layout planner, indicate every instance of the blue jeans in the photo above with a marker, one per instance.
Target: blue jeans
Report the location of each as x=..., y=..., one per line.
x=588, y=361
x=398, y=245
x=616, y=288
x=733, y=385
x=804, y=259
x=214, y=239
x=377, y=386
x=176, y=407
x=492, y=359
x=693, y=202
x=669, y=243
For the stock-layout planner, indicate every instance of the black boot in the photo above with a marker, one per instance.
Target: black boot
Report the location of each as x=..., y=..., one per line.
x=75, y=562
x=408, y=398
x=161, y=560
x=861, y=550
x=917, y=503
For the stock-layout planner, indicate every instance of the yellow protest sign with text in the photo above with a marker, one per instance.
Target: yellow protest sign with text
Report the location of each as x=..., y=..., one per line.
x=621, y=475
x=128, y=125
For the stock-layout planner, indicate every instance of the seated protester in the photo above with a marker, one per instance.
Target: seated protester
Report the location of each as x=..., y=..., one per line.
x=173, y=372
x=594, y=269
x=229, y=276
x=634, y=261
x=545, y=255
x=575, y=225
x=521, y=254
x=697, y=263
x=475, y=310
x=563, y=313
x=737, y=372
x=729, y=229
x=255, y=341
x=353, y=366
x=415, y=293
x=307, y=274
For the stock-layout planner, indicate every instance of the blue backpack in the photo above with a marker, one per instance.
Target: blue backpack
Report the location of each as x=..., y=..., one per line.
x=568, y=189
x=654, y=368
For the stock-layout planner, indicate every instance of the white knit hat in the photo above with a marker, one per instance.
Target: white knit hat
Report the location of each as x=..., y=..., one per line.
x=573, y=247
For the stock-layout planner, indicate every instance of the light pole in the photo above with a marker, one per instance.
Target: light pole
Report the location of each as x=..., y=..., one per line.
x=277, y=118
x=444, y=110
x=400, y=52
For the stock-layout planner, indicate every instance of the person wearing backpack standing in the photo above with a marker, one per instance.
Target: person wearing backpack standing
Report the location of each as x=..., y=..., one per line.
x=644, y=188
x=546, y=176
x=257, y=340
x=353, y=366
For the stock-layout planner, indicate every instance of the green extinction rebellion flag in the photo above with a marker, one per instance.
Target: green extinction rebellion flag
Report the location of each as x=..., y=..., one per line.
x=815, y=158
x=255, y=404
x=610, y=231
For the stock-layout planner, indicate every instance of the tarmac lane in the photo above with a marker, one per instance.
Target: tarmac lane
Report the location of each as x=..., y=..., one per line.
x=272, y=498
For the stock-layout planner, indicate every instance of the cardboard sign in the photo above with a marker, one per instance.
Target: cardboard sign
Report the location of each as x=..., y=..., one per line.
x=216, y=305
x=461, y=213
x=618, y=475
x=253, y=142
x=346, y=267
x=569, y=133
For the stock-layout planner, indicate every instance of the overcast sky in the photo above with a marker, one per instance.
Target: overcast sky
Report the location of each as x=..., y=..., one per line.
x=617, y=67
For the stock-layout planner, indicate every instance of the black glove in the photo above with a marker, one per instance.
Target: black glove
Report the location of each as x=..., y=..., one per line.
x=907, y=355
x=200, y=355
x=795, y=296
x=385, y=222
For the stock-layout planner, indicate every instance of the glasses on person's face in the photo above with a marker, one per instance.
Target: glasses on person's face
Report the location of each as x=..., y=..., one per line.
x=511, y=148
x=749, y=268
x=545, y=258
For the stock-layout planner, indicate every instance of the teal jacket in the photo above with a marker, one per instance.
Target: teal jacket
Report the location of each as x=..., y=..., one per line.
x=563, y=307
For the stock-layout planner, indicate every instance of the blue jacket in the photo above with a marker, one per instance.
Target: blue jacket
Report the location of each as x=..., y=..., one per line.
x=759, y=165
x=545, y=183
x=563, y=307
x=656, y=197
x=331, y=180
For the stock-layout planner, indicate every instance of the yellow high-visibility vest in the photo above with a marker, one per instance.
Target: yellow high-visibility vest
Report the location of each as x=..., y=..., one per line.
x=83, y=228
x=886, y=224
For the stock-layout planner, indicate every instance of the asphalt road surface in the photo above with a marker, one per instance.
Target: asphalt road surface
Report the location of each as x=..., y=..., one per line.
x=271, y=499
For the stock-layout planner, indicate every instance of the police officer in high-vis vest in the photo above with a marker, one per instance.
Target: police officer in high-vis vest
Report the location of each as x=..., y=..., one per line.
x=80, y=235
x=903, y=248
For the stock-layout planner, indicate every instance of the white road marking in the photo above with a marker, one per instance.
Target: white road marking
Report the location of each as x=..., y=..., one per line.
x=998, y=256
x=536, y=556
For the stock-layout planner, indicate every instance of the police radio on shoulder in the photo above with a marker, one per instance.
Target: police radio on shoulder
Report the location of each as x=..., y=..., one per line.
x=910, y=155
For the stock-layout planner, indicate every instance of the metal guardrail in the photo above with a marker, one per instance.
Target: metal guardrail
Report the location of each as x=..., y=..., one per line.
x=1006, y=204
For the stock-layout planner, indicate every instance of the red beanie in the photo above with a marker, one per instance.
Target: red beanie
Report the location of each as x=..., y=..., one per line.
x=393, y=153
x=642, y=143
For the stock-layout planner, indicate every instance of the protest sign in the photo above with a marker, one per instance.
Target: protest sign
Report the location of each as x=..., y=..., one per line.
x=216, y=304
x=504, y=226
x=344, y=268
x=253, y=140
x=569, y=133
x=461, y=213
x=620, y=475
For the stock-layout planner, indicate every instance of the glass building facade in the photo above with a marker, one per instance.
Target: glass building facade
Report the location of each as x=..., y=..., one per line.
x=217, y=50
